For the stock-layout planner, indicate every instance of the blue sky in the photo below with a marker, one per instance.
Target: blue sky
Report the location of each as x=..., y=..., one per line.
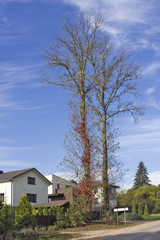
x=34, y=117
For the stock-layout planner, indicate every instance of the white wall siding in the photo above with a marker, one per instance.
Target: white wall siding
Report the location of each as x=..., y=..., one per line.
x=5, y=188
x=20, y=185
x=63, y=183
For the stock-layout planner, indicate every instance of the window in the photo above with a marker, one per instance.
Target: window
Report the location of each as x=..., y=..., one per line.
x=2, y=197
x=32, y=197
x=31, y=180
x=58, y=186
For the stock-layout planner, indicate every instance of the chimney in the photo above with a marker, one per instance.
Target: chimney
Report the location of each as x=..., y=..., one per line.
x=1, y=171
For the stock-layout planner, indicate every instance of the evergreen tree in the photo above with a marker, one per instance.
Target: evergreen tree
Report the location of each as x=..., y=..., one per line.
x=40, y=211
x=45, y=211
x=141, y=177
x=23, y=214
x=133, y=207
x=140, y=209
x=146, y=210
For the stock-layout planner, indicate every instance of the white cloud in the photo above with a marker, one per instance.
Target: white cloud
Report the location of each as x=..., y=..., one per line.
x=155, y=177
x=152, y=68
x=123, y=17
x=150, y=90
x=11, y=163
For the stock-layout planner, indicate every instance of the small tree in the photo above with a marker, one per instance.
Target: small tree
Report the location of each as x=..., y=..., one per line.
x=45, y=211
x=40, y=211
x=141, y=177
x=3, y=219
x=146, y=210
x=133, y=207
x=52, y=211
x=34, y=211
x=23, y=214
x=140, y=209
x=11, y=217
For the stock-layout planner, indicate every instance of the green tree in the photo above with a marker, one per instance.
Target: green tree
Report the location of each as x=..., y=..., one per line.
x=52, y=211
x=45, y=211
x=140, y=209
x=157, y=207
x=40, y=211
x=4, y=226
x=145, y=210
x=133, y=207
x=34, y=212
x=23, y=214
x=141, y=177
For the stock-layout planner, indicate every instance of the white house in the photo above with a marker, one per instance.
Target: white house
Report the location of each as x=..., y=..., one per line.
x=112, y=196
x=29, y=181
x=58, y=183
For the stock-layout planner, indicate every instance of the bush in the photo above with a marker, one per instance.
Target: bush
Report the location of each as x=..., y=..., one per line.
x=110, y=217
x=130, y=217
x=60, y=217
x=157, y=207
x=73, y=216
x=30, y=234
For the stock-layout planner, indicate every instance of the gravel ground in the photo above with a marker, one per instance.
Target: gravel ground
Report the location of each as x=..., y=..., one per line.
x=112, y=232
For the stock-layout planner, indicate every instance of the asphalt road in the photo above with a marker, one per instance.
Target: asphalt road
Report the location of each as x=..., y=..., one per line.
x=150, y=231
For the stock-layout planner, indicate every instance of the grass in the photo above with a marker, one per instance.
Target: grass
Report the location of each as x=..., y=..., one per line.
x=61, y=236
x=95, y=226
x=152, y=217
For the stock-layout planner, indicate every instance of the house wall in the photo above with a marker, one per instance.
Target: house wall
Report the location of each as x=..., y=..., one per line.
x=55, y=180
x=112, y=196
x=5, y=188
x=20, y=185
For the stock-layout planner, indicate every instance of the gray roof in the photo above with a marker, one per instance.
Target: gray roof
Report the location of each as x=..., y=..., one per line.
x=9, y=176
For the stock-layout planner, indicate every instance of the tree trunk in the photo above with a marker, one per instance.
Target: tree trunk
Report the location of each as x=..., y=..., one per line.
x=105, y=165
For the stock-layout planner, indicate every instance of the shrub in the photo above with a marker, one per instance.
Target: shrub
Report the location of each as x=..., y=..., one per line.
x=157, y=207
x=73, y=216
x=130, y=217
x=60, y=217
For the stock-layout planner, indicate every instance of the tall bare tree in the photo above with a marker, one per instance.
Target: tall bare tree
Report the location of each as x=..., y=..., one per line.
x=84, y=62
x=113, y=94
x=69, y=61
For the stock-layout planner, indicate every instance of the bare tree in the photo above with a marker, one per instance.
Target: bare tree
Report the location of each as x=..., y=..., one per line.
x=71, y=69
x=113, y=95
x=102, y=80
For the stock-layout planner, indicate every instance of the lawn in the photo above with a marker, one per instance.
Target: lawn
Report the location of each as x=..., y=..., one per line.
x=152, y=217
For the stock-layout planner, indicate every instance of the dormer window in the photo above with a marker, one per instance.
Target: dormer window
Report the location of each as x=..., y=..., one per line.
x=31, y=180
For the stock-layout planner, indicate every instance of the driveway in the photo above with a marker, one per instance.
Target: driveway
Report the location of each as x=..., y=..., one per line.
x=146, y=231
